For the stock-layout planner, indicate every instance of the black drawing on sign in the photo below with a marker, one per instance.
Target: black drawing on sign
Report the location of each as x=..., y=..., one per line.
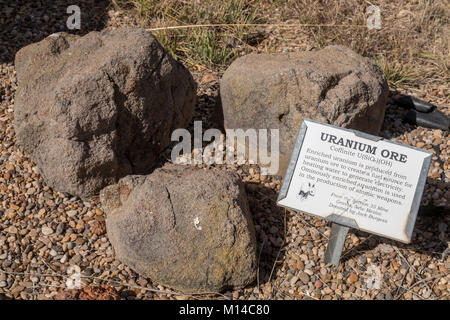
x=305, y=193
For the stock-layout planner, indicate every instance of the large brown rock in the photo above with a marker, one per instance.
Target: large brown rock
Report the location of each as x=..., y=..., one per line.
x=334, y=85
x=93, y=109
x=183, y=227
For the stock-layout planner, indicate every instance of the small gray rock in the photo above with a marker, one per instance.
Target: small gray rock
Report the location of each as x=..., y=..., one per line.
x=385, y=248
x=362, y=260
x=46, y=230
x=60, y=228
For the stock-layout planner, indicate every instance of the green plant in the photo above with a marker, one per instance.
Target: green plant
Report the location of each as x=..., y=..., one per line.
x=210, y=47
x=397, y=75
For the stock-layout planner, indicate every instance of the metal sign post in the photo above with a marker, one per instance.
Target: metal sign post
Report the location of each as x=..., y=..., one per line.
x=336, y=244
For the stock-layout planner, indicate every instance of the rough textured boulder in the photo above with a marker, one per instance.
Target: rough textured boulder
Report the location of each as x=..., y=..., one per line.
x=183, y=227
x=93, y=109
x=334, y=85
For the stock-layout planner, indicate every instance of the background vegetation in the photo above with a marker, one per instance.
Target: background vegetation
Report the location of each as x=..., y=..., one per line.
x=412, y=45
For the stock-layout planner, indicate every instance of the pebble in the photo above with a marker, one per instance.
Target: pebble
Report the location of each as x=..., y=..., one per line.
x=46, y=230
x=362, y=260
x=31, y=191
x=442, y=227
x=420, y=144
x=385, y=248
x=318, y=284
x=63, y=259
x=293, y=281
x=60, y=228
x=71, y=213
x=12, y=229
x=304, y=277
x=352, y=278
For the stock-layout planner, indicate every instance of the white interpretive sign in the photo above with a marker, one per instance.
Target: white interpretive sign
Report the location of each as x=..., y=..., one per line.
x=355, y=180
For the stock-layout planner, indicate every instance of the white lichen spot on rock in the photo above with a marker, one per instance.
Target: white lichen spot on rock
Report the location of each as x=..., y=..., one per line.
x=197, y=223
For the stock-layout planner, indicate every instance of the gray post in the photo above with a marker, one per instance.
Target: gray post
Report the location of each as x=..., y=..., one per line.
x=336, y=244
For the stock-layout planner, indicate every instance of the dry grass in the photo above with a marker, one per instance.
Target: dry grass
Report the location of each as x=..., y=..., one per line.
x=210, y=47
x=411, y=47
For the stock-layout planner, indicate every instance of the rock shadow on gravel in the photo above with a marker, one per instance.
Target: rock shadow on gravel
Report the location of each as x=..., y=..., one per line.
x=208, y=110
x=270, y=223
x=23, y=22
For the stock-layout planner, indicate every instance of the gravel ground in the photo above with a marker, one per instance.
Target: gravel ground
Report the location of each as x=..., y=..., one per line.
x=46, y=235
